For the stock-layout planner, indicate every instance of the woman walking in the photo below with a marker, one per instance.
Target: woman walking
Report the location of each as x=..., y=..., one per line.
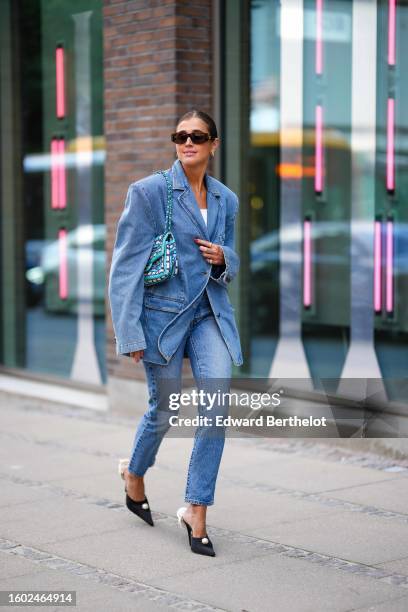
x=187, y=315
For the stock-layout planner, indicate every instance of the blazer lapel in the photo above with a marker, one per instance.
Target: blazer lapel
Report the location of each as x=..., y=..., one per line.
x=190, y=206
x=185, y=198
x=214, y=204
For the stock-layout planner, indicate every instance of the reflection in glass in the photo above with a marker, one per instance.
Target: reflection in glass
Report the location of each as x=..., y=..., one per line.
x=264, y=167
x=326, y=195
x=391, y=320
x=65, y=259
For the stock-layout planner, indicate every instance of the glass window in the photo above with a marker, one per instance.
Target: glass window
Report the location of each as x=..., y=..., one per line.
x=391, y=193
x=323, y=282
x=263, y=182
x=58, y=257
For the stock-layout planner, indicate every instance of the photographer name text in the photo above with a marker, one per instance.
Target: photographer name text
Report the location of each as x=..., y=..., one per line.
x=259, y=421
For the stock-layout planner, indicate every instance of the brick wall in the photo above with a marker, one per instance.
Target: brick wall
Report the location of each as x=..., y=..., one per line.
x=157, y=65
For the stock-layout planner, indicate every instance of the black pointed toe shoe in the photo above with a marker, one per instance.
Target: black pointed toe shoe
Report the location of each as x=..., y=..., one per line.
x=140, y=508
x=201, y=546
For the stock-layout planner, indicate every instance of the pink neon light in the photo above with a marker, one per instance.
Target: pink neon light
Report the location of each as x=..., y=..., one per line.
x=391, y=32
x=307, y=264
x=62, y=179
x=58, y=174
x=319, y=36
x=389, y=270
x=377, y=266
x=54, y=173
x=63, y=264
x=390, y=145
x=60, y=82
x=319, y=150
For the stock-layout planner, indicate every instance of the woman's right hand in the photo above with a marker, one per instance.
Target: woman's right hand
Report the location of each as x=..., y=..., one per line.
x=137, y=355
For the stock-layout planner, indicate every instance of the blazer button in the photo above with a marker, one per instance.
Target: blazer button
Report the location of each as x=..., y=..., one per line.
x=218, y=314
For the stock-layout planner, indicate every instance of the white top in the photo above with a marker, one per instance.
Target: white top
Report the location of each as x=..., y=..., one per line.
x=204, y=213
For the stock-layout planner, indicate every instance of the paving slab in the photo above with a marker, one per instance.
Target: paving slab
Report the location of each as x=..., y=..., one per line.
x=90, y=596
x=144, y=553
x=317, y=475
x=399, y=566
x=244, y=509
x=12, y=566
x=59, y=426
x=399, y=604
x=58, y=519
x=352, y=536
x=389, y=495
x=48, y=463
x=13, y=494
x=104, y=439
x=282, y=584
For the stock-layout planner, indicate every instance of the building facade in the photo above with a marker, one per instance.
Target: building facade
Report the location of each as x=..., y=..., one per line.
x=310, y=97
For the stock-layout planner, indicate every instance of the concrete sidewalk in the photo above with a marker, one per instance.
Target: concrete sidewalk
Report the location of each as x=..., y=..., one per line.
x=297, y=525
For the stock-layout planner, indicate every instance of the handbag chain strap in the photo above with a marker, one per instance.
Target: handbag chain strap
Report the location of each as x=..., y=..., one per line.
x=169, y=204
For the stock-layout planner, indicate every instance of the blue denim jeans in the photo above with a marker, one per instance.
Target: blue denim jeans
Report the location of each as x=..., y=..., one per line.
x=211, y=366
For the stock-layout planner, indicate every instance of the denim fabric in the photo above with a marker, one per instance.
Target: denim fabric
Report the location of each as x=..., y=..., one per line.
x=156, y=318
x=211, y=366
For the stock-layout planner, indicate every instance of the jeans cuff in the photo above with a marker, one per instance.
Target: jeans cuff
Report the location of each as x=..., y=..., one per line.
x=131, y=471
x=197, y=501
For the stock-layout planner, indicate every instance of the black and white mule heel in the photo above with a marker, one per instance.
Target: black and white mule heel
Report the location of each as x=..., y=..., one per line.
x=201, y=546
x=140, y=508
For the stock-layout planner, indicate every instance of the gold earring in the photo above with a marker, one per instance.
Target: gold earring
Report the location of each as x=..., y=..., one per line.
x=212, y=154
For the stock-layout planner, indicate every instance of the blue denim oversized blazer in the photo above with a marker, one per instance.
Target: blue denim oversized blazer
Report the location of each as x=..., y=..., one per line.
x=156, y=318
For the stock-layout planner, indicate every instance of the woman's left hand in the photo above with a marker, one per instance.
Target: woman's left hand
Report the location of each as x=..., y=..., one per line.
x=212, y=252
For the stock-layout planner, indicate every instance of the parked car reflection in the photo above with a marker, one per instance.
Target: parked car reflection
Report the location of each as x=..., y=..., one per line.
x=85, y=246
x=276, y=264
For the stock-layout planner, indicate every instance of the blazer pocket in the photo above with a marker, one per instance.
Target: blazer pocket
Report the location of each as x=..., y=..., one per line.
x=159, y=302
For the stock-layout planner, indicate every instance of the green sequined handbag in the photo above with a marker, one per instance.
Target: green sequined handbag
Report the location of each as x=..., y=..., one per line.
x=162, y=263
